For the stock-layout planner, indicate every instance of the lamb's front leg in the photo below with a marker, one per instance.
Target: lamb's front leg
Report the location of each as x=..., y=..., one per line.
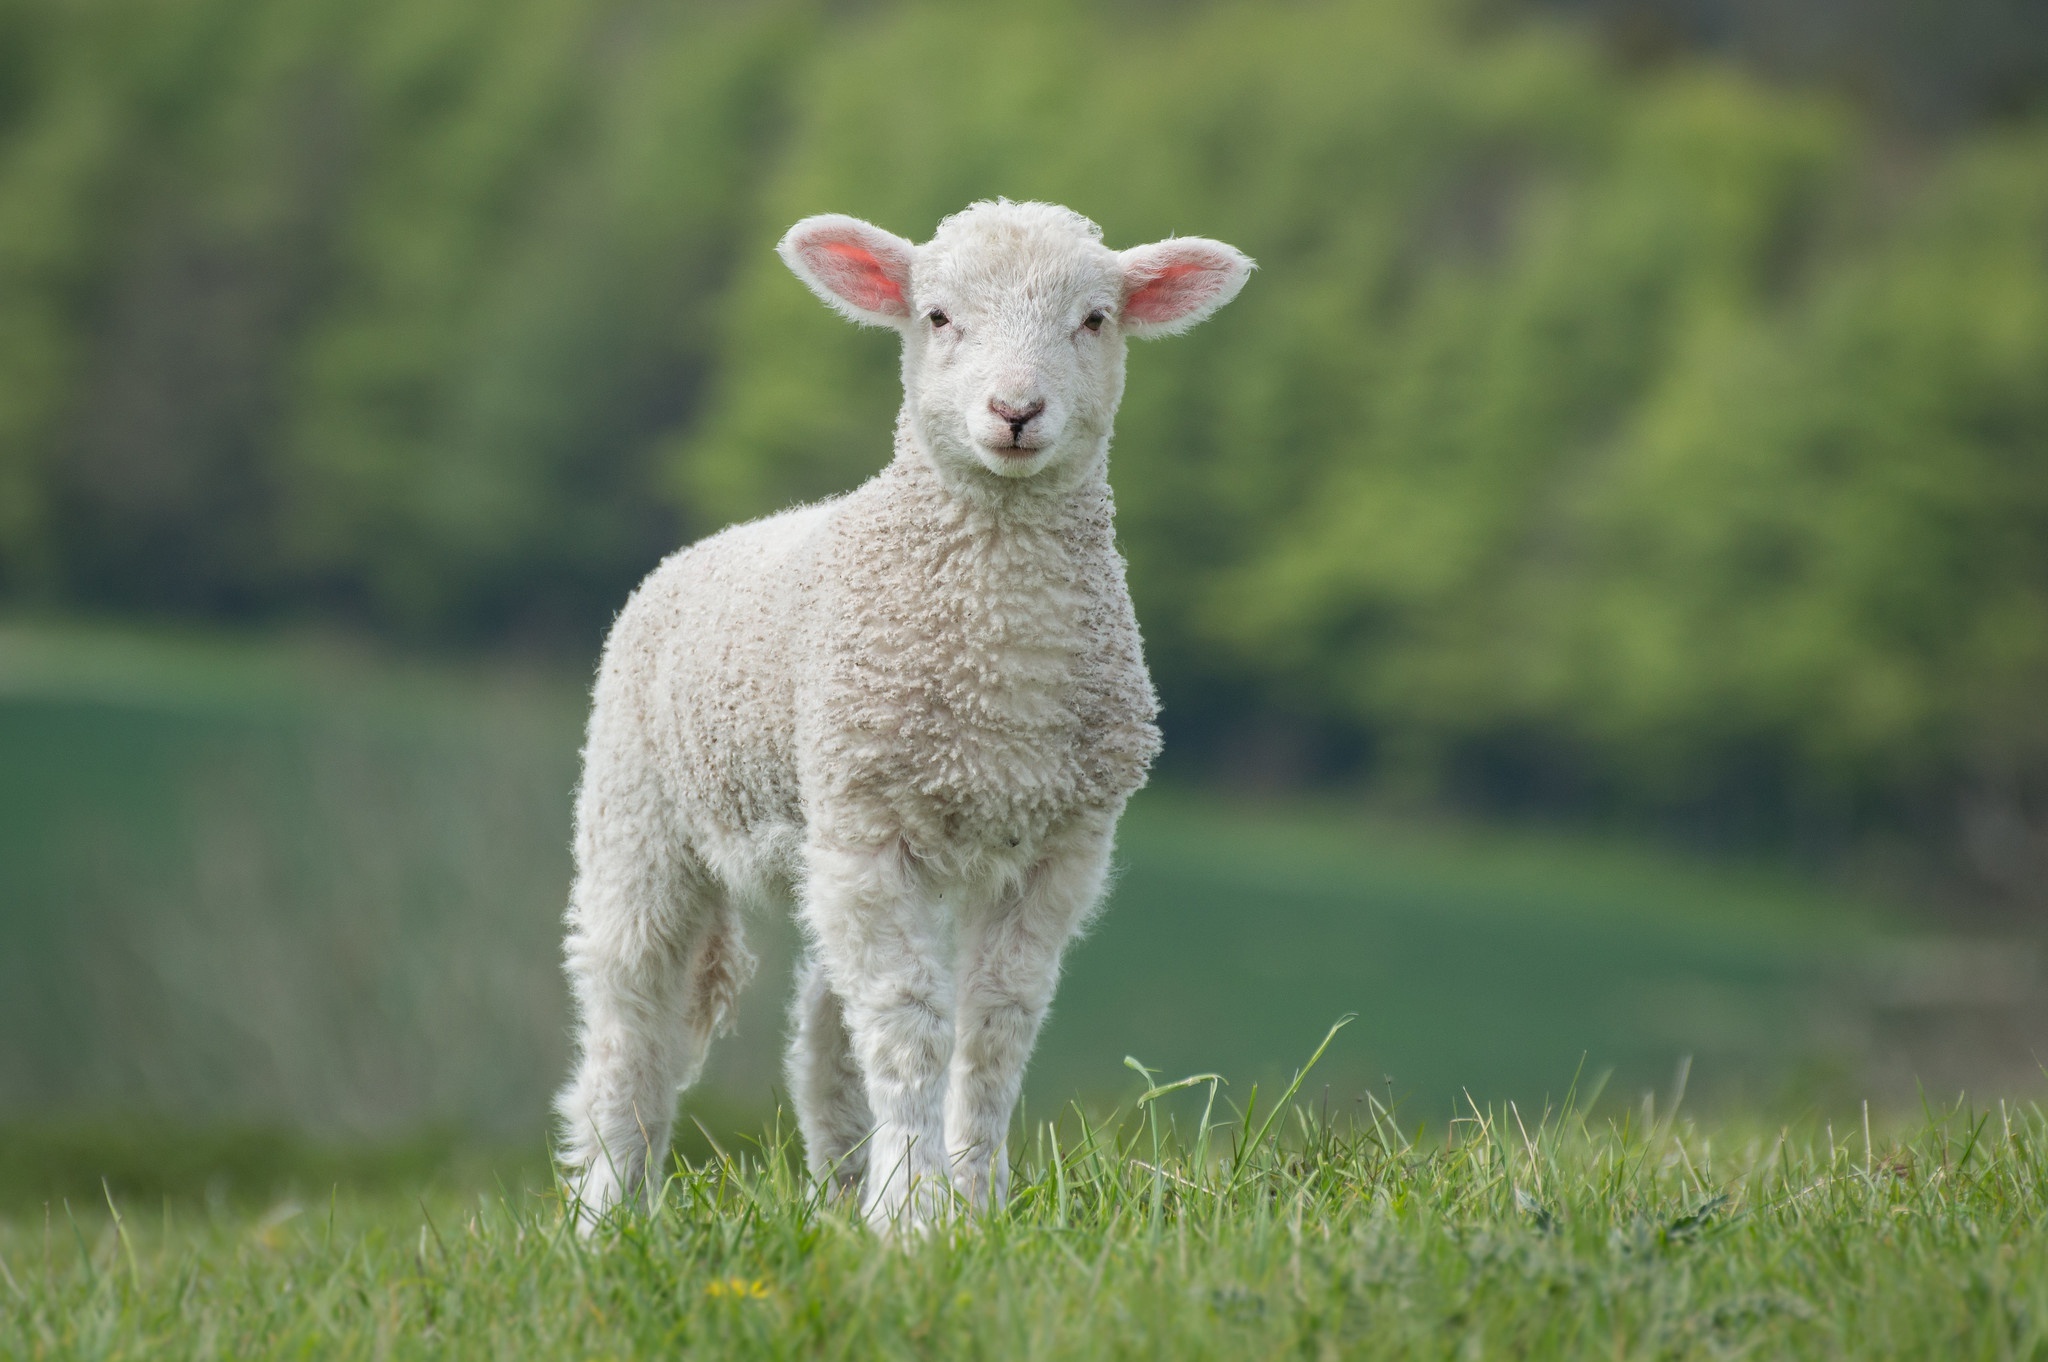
x=1010, y=964
x=882, y=941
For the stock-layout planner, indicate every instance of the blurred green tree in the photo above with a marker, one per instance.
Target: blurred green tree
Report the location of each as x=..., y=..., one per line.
x=1636, y=439
x=368, y=309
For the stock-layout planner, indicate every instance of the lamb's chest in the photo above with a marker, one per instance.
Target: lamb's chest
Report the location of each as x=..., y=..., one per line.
x=984, y=682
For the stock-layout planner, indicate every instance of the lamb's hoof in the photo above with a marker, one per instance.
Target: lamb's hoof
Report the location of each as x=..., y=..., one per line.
x=913, y=1218
x=592, y=1197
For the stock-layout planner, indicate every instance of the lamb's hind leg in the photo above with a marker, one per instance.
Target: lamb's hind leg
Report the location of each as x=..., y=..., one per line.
x=1009, y=965
x=825, y=1082
x=655, y=958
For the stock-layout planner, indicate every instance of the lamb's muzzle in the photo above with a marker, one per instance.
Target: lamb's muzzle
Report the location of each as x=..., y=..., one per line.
x=914, y=711
x=1016, y=417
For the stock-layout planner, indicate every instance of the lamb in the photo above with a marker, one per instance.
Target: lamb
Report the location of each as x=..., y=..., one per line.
x=914, y=711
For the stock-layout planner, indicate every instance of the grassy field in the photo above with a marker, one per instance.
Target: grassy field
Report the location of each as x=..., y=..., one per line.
x=278, y=987
x=279, y=905
x=1160, y=1234
x=284, y=884
x=278, y=884
x=1477, y=962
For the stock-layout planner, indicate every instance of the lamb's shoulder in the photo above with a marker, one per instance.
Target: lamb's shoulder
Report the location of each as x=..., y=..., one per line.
x=722, y=606
x=700, y=664
x=975, y=680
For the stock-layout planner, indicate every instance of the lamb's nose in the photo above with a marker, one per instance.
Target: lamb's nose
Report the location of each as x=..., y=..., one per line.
x=1016, y=417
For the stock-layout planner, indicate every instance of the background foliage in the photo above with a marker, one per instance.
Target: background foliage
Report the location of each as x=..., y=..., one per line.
x=1593, y=436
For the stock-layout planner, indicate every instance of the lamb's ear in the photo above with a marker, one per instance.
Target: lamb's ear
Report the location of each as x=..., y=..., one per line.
x=1172, y=284
x=858, y=269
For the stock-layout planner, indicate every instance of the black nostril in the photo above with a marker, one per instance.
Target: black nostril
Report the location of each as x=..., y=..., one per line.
x=1017, y=417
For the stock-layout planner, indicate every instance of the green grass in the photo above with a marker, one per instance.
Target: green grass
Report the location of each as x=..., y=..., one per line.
x=1153, y=1234
x=270, y=911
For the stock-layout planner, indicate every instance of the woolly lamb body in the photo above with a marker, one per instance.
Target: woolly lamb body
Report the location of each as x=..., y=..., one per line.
x=914, y=711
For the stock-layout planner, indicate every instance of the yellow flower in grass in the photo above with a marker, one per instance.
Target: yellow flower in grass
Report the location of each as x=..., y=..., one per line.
x=738, y=1288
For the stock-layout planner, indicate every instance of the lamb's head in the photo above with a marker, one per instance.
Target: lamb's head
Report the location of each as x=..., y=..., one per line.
x=1013, y=317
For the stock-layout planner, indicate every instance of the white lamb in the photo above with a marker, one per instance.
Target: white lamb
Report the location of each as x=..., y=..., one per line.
x=916, y=710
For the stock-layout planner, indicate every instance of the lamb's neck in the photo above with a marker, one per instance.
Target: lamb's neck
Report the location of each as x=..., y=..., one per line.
x=1012, y=573
x=1069, y=500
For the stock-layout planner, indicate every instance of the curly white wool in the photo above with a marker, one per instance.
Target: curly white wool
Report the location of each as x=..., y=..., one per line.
x=915, y=710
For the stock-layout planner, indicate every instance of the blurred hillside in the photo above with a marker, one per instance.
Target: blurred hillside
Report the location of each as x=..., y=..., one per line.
x=1622, y=438
x=289, y=888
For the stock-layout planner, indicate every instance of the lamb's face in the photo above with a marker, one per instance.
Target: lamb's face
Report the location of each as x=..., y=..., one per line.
x=1013, y=360
x=1013, y=319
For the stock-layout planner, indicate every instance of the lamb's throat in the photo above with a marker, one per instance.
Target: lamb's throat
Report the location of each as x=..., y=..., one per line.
x=1037, y=501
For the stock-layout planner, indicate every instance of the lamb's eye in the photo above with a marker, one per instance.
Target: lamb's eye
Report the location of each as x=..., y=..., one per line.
x=938, y=318
x=1095, y=320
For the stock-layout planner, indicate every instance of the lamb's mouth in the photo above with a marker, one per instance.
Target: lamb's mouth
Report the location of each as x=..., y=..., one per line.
x=1015, y=453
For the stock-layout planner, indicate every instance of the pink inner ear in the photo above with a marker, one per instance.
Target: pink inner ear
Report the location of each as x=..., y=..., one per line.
x=858, y=275
x=1174, y=291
